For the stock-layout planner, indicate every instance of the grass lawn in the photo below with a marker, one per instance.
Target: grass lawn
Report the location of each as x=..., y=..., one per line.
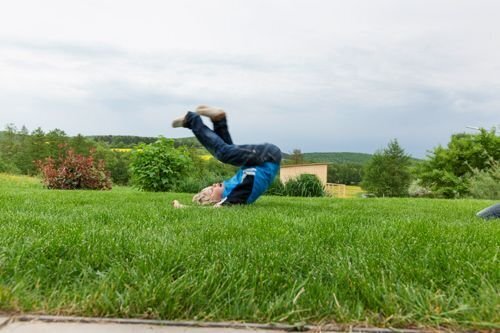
x=124, y=253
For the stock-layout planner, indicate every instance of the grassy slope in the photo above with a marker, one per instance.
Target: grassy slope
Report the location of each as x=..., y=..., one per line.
x=338, y=157
x=386, y=262
x=343, y=157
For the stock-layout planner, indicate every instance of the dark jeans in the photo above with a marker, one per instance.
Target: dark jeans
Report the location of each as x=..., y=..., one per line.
x=219, y=143
x=491, y=212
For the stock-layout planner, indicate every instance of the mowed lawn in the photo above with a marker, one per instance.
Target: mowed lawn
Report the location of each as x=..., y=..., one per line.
x=125, y=253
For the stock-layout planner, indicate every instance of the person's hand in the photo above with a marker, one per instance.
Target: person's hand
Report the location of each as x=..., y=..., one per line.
x=177, y=204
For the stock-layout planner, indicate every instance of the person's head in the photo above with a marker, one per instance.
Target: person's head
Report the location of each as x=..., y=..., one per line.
x=209, y=195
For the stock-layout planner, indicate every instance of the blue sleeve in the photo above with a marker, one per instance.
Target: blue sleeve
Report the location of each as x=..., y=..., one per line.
x=240, y=194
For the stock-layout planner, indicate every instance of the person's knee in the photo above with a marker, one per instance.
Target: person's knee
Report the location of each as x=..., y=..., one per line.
x=491, y=212
x=277, y=154
x=273, y=153
x=221, y=156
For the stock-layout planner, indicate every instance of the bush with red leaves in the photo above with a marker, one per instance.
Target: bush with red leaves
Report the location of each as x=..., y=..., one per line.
x=74, y=171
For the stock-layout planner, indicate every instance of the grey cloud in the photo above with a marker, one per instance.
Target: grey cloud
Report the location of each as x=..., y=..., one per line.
x=352, y=99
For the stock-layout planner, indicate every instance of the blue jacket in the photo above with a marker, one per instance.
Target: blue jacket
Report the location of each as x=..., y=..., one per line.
x=249, y=183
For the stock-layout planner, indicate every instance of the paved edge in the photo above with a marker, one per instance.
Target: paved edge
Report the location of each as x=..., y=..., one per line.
x=4, y=321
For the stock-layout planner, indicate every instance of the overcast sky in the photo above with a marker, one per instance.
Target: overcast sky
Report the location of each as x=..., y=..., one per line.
x=313, y=75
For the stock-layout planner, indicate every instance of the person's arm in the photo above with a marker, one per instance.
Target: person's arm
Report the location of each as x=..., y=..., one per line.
x=177, y=204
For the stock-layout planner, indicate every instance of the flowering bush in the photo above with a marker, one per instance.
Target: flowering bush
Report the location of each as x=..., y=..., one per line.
x=74, y=171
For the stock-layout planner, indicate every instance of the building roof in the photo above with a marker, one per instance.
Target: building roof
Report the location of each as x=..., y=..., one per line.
x=302, y=165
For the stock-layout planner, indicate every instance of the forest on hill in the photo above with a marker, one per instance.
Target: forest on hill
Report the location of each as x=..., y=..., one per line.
x=337, y=157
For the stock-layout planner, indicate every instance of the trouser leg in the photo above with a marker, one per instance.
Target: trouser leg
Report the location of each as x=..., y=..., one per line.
x=491, y=212
x=208, y=138
x=238, y=155
x=250, y=155
x=220, y=128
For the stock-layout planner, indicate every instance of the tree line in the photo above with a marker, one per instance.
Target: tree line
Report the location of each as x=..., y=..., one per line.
x=20, y=149
x=122, y=141
x=467, y=166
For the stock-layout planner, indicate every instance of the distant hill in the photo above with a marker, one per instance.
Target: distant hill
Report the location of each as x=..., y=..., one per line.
x=122, y=141
x=128, y=141
x=190, y=142
x=340, y=157
x=343, y=158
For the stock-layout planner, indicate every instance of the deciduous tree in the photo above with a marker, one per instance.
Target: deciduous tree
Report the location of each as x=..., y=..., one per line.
x=297, y=157
x=448, y=169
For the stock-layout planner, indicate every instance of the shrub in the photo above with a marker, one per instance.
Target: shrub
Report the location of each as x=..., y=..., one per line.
x=418, y=190
x=159, y=166
x=305, y=185
x=276, y=188
x=485, y=184
x=74, y=171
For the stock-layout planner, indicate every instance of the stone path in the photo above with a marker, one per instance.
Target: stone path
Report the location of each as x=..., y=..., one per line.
x=13, y=325
x=59, y=324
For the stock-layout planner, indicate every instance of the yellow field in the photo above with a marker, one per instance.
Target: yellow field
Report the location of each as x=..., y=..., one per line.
x=20, y=181
x=344, y=191
x=206, y=157
x=353, y=191
x=122, y=150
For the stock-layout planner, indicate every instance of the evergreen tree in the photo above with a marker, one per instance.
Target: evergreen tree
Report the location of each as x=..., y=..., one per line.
x=9, y=146
x=56, y=141
x=388, y=172
x=23, y=159
x=81, y=145
x=38, y=145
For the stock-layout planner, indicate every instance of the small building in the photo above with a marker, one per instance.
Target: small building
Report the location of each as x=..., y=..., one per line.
x=291, y=171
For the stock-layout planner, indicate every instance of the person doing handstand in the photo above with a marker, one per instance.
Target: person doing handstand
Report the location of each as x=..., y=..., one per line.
x=258, y=164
